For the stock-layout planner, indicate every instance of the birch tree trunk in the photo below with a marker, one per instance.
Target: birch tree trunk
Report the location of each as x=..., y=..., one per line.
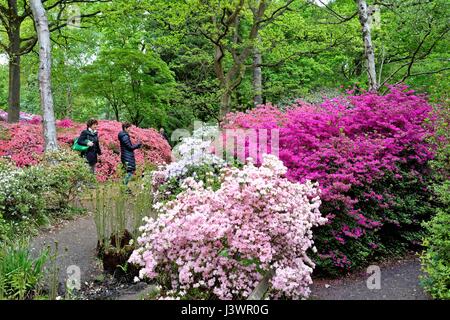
x=368, y=46
x=45, y=90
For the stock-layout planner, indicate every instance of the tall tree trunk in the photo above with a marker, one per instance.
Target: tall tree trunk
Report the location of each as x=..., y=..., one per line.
x=116, y=113
x=225, y=103
x=14, y=72
x=45, y=59
x=257, y=77
x=368, y=46
x=69, y=102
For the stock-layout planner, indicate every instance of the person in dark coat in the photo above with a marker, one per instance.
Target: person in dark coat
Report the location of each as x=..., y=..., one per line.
x=89, y=137
x=127, y=151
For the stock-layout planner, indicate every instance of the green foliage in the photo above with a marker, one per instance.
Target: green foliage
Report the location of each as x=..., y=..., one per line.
x=134, y=83
x=403, y=229
x=441, y=138
x=66, y=177
x=5, y=229
x=20, y=274
x=436, y=257
x=117, y=211
x=411, y=203
x=305, y=50
x=33, y=195
x=21, y=192
x=3, y=86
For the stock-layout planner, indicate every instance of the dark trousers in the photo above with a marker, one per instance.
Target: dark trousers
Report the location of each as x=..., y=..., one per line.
x=130, y=171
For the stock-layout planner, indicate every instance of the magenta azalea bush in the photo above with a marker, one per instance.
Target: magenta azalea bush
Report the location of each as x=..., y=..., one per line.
x=219, y=244
x=370, y=156
x=23, y=143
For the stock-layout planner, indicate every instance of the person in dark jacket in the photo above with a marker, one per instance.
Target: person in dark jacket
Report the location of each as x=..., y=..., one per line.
x=127, y=152
x=89, y=137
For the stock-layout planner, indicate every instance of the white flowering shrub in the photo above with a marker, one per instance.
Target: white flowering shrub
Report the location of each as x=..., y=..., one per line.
x=194, y=159
x=219, y=244
x=33, y=192
x=21, y=192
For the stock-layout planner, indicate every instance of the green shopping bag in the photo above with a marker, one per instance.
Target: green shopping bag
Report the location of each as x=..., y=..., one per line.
x=78, y=147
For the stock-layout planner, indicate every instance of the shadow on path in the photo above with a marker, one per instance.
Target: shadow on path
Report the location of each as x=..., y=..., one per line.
x=77, y=241
x=399, y=281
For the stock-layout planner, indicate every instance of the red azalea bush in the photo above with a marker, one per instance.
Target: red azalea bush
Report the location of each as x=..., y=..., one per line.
x=370, y=155
x=23, y=143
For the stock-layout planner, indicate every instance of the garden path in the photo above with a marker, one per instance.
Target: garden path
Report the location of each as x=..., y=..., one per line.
x=399, y=280
x=77, y=241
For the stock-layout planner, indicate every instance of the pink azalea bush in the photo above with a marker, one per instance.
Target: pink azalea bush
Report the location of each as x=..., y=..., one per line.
x=370, y=156
x=24, y=142
x=64, y=123
x=218, y=244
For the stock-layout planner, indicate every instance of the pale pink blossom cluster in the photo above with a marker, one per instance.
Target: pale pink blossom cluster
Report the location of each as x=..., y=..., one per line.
x=193, y=151
x=222, y=242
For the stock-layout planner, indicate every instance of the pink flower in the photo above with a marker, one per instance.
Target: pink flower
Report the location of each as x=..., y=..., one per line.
x=350, y=145
x=25, y=144
x=219, y=240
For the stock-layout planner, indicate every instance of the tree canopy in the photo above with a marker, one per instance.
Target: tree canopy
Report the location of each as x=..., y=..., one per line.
x=162, y=63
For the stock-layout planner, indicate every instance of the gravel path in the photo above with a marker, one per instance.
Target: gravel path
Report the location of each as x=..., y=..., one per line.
x=77, y=241
x=399, y=280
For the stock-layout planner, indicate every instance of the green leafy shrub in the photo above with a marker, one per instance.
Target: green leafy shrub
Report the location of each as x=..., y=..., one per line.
x=21, y=276
x=4, y=228
x=66, y=176
x=436, y=257
x=441, y=138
